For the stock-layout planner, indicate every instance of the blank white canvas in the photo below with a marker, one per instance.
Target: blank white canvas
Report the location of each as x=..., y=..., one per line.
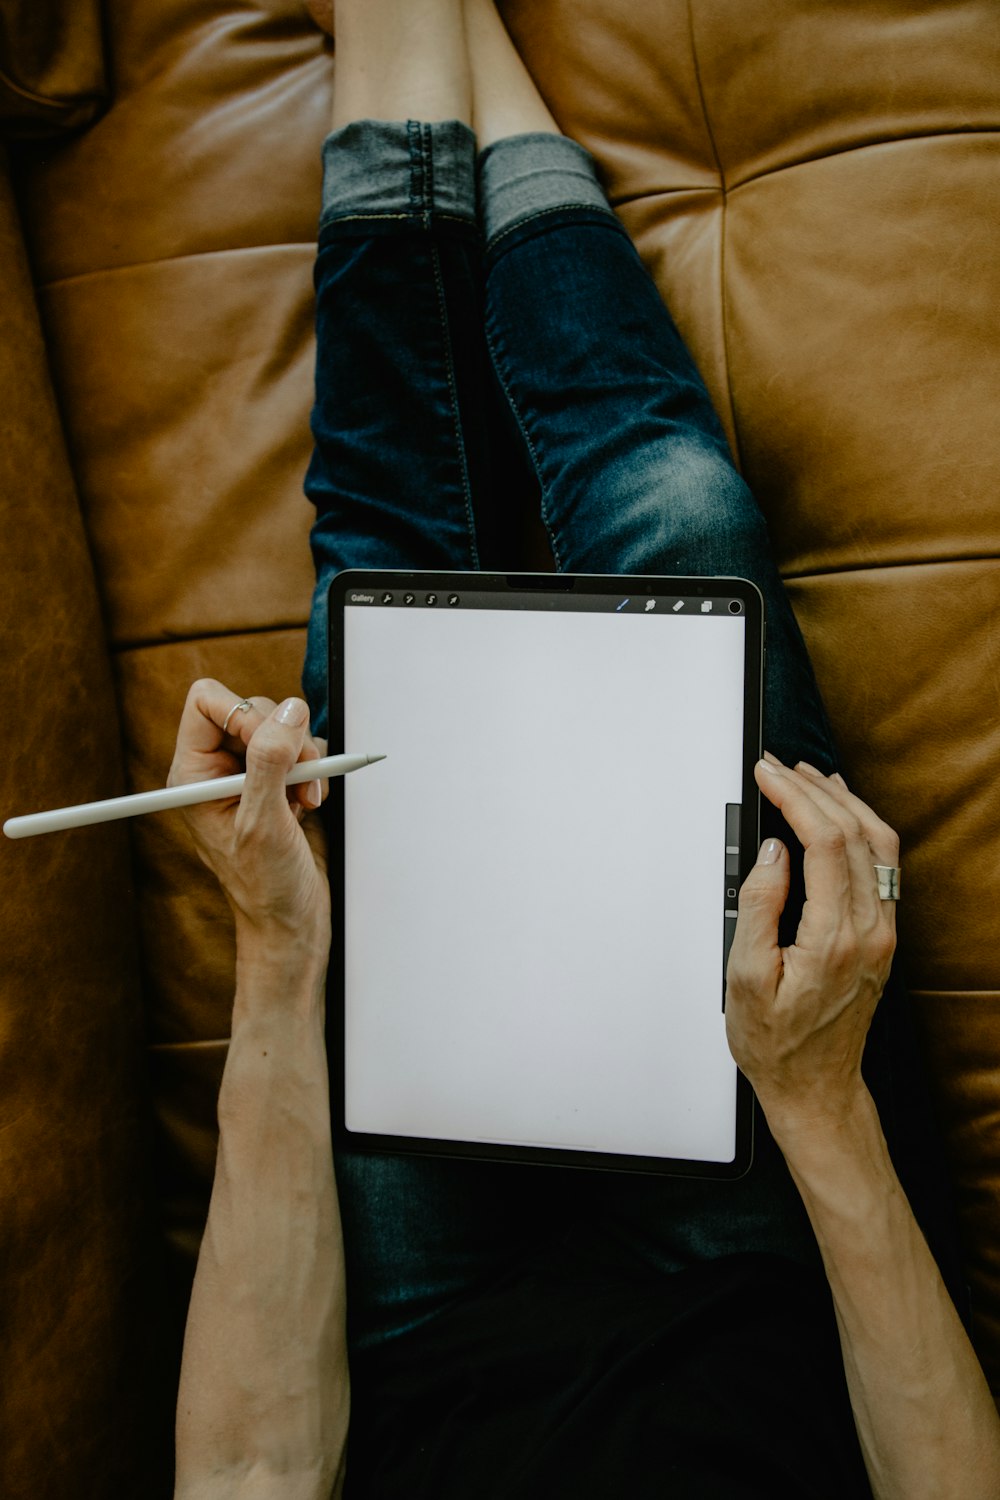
x=534, y=897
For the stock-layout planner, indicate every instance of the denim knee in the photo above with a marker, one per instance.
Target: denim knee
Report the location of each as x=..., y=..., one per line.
x=682, y=508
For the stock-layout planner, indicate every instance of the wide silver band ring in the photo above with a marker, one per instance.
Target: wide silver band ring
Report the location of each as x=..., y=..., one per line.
x=888, y=878
x=244, y=704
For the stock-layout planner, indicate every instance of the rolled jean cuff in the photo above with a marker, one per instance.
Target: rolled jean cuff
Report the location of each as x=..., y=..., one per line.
x=524, y=175
x=386, y=169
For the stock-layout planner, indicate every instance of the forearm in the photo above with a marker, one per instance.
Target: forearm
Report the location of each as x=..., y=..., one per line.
x=925, y=1418
x=263, y=1404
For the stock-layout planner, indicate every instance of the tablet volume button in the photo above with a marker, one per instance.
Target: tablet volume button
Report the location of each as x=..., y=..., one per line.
x=731, y=888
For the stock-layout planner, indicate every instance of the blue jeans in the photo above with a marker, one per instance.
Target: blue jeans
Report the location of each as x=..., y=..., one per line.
x=481, y=325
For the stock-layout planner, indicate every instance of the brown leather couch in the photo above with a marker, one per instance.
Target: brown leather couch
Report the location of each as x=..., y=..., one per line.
x=815, y=185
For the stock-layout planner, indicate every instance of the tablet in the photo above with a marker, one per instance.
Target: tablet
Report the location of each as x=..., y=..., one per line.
x=535, y=892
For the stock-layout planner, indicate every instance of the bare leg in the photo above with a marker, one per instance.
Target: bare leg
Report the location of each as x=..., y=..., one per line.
x=505, y=100
x=401, y=60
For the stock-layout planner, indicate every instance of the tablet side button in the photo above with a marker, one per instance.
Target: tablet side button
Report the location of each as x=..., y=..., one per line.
x=732, y=872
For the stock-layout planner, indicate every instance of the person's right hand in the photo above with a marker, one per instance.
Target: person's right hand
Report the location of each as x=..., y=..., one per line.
x=797, y=1017
x=265, y=846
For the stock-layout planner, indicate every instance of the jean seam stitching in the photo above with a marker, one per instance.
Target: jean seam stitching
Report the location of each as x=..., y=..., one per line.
x=455, y=411
x=416, y=168
x=492, y=345
x=428, y=153
x=554, y=208
x=418, y=218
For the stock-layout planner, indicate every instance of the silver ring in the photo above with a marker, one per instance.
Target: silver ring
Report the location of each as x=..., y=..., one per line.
x=244, y=704
x=888, y=877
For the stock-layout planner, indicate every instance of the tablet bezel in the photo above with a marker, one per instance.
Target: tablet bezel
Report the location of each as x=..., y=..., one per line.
x=555, y=584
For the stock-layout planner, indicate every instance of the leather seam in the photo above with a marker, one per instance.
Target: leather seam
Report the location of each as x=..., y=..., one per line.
x=166, y=260
x=880, y=567
x=123, y=647
x=51, y=101
x=724, y=190
x=874, y=145
x=723, y=300
x=229, y=632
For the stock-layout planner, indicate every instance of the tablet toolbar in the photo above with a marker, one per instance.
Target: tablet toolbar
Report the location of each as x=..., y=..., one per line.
x=591, y=603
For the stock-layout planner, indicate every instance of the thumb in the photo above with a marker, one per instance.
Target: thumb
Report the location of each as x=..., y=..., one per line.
x=755, y=958
x=272, y=751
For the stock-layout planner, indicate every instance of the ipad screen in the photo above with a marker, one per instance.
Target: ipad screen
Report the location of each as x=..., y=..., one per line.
x=535, y=887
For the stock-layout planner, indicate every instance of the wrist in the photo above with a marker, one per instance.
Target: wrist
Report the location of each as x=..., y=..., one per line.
x=836, y=1156
x=815, y=1108
x=279, y=963
x=805, y=1127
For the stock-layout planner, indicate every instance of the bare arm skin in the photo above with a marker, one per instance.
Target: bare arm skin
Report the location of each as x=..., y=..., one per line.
x=797, y=1020
x=263, y=1406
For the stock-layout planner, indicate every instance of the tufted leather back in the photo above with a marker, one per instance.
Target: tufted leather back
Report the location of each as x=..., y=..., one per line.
x=814, y=187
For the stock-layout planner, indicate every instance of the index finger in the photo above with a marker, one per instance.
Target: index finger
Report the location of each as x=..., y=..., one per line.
x=883, y=841
x=827, y=868
x=310, y=794
x=814, y=814
x=200, y=737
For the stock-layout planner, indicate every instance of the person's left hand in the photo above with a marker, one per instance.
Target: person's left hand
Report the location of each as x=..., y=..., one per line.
x=797, y=1017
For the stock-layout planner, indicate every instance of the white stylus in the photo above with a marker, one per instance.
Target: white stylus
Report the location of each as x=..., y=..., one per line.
x=174, y=796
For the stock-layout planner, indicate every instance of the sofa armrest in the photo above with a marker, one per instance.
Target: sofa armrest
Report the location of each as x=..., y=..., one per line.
x=75, y=1300
x=52, y=70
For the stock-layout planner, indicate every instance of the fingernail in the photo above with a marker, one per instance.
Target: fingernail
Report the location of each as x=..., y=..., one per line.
x=803, y=765
x=766, y=765
x=314, y=794
x=293, y=712
x=769, y=852
x=837, y=777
